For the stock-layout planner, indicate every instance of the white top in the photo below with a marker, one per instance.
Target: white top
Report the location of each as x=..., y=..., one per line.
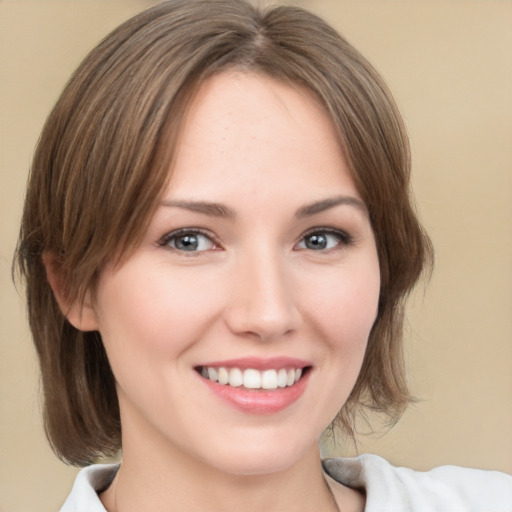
x=388, y=489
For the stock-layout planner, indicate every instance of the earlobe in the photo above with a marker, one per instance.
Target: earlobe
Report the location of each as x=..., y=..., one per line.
x=80, y=314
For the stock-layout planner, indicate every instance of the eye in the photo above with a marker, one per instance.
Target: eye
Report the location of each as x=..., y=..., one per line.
x=323, y=240
x=188, y=240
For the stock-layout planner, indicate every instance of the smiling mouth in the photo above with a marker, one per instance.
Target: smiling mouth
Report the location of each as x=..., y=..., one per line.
x=252, y=379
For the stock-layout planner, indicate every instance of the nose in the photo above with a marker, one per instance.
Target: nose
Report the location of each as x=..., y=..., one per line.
x=262, y=301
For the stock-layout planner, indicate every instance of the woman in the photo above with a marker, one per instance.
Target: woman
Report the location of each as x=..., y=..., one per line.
x=217, y=243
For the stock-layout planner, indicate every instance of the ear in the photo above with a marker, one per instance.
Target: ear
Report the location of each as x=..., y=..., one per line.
x=80, y=315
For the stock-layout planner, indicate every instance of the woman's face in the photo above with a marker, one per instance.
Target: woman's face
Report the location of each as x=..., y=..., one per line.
x=259, y=265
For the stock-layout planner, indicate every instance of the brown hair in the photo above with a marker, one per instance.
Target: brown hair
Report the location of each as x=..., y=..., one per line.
x=101, y=164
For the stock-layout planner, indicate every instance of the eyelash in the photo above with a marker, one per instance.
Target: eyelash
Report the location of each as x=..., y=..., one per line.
x=344, y=239
x=174, y=235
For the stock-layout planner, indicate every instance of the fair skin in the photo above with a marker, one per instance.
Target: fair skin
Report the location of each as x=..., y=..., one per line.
x=259, y=257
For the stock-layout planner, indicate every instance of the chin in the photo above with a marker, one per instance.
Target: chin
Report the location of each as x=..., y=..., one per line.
x=262, y=456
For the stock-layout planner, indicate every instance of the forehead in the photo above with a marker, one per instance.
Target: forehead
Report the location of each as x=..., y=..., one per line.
x=244, y=126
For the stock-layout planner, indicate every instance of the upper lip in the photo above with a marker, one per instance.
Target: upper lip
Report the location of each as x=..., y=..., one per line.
x=257, y=363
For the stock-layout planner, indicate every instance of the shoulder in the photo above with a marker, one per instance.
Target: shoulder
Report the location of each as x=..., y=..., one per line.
x=446, y=488
x=89, y=481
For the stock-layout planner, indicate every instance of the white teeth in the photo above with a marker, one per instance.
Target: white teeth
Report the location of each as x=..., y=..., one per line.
x=282, y=378
x=236, y=377
x=223, y=376
x=269, y=379
x=252, y=379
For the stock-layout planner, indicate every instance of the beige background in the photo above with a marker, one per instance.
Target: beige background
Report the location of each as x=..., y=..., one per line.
x=449, y=64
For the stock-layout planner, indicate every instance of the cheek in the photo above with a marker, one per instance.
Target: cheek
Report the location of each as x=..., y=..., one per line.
x=345, y=304
x=152, y=315
x=342, y=311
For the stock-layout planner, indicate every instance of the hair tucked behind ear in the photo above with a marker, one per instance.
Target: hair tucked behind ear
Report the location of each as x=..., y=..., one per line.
x=103, y=160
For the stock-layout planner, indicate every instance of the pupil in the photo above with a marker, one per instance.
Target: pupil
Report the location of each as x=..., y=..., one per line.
x=187, y=243
x=316, y=242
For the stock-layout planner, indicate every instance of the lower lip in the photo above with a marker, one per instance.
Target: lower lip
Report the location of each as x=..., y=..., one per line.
x=259, y=401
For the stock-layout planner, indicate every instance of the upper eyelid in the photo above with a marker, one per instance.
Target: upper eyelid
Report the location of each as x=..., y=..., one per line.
x=324, y=229
x=329, y=230
x=183, y=231
x=344, y=241
x=343, y=234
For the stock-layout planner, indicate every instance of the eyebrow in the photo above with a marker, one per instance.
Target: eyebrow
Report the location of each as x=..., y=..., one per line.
x=210, y=209
x=327, y=204
x=223, y=211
